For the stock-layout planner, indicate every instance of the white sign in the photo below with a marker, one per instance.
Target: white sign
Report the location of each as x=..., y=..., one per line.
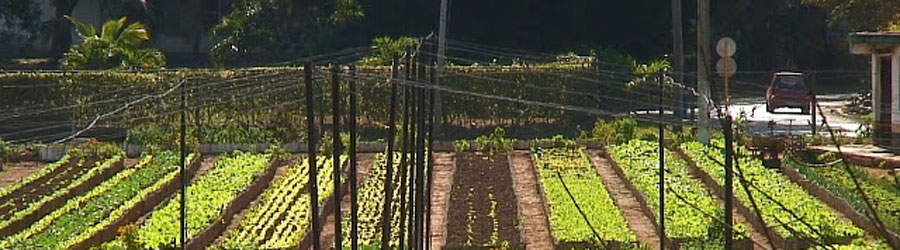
x=726, y=47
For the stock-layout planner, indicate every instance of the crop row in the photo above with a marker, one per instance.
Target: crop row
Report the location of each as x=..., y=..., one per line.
x=371, y=204
x=280, y=219
x=86, y=215
x=883, y=194
x=208, y=196
x=57, y=183
x=689, y=206
x=567, y=171
x=814, y=220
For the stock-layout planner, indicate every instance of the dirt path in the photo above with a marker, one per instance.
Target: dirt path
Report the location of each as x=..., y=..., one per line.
x=641, y=225
x=14, y=172
x=364, y=163
x=440, y=198
x=532, y=213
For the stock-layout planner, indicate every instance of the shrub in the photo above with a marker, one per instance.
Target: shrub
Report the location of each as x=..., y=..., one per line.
x=117, y=45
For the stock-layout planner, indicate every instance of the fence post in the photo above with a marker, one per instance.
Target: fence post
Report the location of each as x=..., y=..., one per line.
x=354, y=190
x=311, y=137
x=662, y=167
x=183, y=152
x=336, y=150
x=729, y=186
x=389, y=172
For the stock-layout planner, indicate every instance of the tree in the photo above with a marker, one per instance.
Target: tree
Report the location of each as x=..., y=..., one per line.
x=278, y=29
x=117, y=45
x=862, y=14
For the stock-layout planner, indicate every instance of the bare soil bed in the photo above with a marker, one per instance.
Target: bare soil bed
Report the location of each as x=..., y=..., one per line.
x=483, y=210
x=14, y=172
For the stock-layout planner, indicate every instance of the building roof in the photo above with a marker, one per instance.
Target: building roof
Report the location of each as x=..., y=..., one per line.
x=887, y=37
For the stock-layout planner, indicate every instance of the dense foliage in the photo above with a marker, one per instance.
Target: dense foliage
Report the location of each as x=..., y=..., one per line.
x=825, y=225
x=210, y=195
x=280, y=220
x=567, y=171
x=116, y=45
x=687, y=218
x=883, y=194
x=87, y=214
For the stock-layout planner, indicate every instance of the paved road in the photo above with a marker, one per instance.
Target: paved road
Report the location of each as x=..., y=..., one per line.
x=790, y=121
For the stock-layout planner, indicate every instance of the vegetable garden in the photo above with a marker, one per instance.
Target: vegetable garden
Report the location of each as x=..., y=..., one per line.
x=238, y=144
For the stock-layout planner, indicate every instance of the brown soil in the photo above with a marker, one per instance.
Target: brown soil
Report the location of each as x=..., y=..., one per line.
x=642, y=226
x=440, y=197
x=14, y=172
x=532, y=212
x=58, y=179
x=364, y=163
x=482, y=203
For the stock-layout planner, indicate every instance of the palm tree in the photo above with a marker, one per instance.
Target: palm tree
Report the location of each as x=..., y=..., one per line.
x=117, y=45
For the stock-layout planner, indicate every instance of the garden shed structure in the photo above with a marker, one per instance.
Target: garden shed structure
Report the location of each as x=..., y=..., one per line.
x=883, y=48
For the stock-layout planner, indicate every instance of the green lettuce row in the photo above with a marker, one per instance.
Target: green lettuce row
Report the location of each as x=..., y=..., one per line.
x=36, y=175
x=286, y=198
x=371, y=206
x=792, y=196
x=209, y=195
x=586, y=186
x=882, y=193
x=80, y=218
x=638, y=159
x=99, y=167
x=290, y=231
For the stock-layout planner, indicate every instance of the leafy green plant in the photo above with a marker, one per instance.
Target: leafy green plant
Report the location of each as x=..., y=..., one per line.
x=793, y=197
x=685, y=221
x=216, y=188
x=387, y=49
x=564, y=167
x=283, y=210
x=87, y=214
x=65, y=184
x=371, y=204
x=460, y=146
x=495, y=142
x=883, y=194
x=117, y=45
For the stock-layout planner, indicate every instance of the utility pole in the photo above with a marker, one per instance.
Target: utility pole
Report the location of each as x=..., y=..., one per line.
x=441, y=51
x=678, y=59
x=703, y=50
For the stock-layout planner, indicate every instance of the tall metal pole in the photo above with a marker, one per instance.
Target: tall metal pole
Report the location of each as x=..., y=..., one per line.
x=703, y=57
x=311, y=138
x=183, y=165
x=662, y=168
x=354, y=190
x=441, y=51
x=729, y=186
x=678, y=59
x=389, y=168
x=336, y=150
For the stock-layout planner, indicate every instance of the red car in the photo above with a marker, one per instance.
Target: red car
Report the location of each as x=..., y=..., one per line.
x=789, y=89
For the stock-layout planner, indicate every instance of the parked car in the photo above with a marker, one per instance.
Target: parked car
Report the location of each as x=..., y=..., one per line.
x=789, y=89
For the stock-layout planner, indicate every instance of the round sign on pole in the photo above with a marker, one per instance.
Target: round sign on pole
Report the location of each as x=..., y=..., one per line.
x=726, y=67
x=726, y=47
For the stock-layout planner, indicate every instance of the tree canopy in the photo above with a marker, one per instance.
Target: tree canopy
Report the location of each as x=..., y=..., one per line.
x=862, y=14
